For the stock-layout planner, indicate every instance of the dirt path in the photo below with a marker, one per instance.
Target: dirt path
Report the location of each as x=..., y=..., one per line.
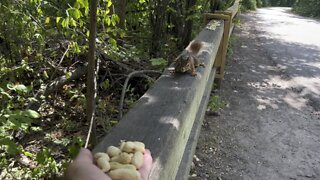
x=270, y=128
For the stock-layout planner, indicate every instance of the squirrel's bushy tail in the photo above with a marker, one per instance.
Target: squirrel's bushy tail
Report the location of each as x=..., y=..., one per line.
x=194, y=47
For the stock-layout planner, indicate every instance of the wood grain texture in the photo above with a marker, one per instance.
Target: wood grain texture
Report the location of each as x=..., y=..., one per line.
x=164, y=116
x=189, y=151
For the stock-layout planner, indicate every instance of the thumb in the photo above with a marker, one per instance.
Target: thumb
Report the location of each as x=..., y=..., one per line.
x=84, y=156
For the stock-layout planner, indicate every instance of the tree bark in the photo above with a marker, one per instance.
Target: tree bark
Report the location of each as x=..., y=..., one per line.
x=189, y=22
x=91, y=75
x=158, y=26
x=177, y=18
x=121, y=12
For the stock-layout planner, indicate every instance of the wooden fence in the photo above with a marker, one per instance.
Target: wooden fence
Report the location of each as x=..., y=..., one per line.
x=168, y=117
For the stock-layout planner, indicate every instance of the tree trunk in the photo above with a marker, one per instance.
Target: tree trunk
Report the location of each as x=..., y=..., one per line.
x=215, y=5
x=158, y=26
x=189, y=22
x=121, y=12
x=91, y=76
x=177, y=18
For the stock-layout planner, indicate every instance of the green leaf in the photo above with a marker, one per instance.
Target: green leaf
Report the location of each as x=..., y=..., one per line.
x=81, y=23
x=77, y=5
x=106, y=84
x=142, y=1
x=65, y=22
x=43, y=156
x=20, y=88
x=36, y=129
x=58, y=19
x=47, y=21
x=83, y=3
x=73, y=22
x=11, y=86
x=74, y=13
x=112, y=42
x=107, y=20
x=11, y=147
x=28, y=154
x=31, y=113
x=6, y=94
x=68, y=75
x=109, y=3
x=158, y=62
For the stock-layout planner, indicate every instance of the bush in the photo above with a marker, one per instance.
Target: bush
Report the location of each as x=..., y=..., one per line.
x=307, y=8
x=248, y=5
x=259, y=3
x=265, y=3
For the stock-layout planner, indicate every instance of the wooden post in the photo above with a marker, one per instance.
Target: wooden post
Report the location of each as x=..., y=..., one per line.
x=221, y=56
x=225, y=42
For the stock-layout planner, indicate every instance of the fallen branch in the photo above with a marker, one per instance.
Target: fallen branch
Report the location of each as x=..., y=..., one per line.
x=62, y=80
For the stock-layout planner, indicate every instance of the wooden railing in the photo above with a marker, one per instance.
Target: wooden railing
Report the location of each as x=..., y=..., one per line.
x=168, y=117
x=228, y=17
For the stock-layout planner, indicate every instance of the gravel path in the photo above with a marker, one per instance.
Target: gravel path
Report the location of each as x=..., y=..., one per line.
x=270, y=127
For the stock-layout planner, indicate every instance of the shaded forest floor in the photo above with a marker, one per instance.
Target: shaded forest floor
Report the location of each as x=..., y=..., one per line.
x=270, y=127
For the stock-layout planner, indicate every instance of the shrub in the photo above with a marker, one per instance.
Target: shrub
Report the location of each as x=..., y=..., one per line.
x=248, y=5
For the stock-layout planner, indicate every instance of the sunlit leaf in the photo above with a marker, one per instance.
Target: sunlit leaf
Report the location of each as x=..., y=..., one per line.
x=109, y=3
x=20, y=88
x=47, y=21
x=74, y=13
x=6, y=94
x=68, y=75
x=26, y=153
x=58, y=19
x=112, y=42
x=31, y=113
x=65, y=22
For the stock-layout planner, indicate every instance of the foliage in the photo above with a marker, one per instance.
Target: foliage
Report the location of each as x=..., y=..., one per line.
x=307, y=8
x=34, y=36
x=248, y=5
x=303, y=7
x=43, y=42
x=215, y=103
x=159, y=62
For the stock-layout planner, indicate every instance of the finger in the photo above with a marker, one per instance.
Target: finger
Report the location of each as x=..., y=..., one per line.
x=147, y=165
x=84, y=156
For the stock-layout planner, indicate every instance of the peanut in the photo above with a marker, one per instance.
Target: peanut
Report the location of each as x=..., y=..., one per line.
x=123, y=162
x=123, y=158
x=128, y=147
x=139, y=146
x=113, y=151
x=101, y=154
x=103, y=164
x=116, y=165
x=137, y=159
x=124, y=174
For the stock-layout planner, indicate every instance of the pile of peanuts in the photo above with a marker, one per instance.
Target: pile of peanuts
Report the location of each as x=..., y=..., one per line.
x=122, y=163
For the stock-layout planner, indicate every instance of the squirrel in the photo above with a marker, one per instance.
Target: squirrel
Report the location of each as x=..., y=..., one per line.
x=187, y=60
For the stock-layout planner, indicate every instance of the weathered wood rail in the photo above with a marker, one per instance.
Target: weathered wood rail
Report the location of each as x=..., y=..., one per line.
x=168, y=117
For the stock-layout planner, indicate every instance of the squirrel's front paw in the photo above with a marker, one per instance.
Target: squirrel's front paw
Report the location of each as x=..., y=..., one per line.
x=193, y=73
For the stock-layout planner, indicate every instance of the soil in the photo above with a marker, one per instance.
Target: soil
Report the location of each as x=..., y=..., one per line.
x=270, y=127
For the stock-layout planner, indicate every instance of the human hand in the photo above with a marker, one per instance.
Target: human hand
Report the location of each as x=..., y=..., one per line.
x=83, y=168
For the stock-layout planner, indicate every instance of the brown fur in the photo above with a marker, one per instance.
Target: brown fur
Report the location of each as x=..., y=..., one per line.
x=188, y=61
